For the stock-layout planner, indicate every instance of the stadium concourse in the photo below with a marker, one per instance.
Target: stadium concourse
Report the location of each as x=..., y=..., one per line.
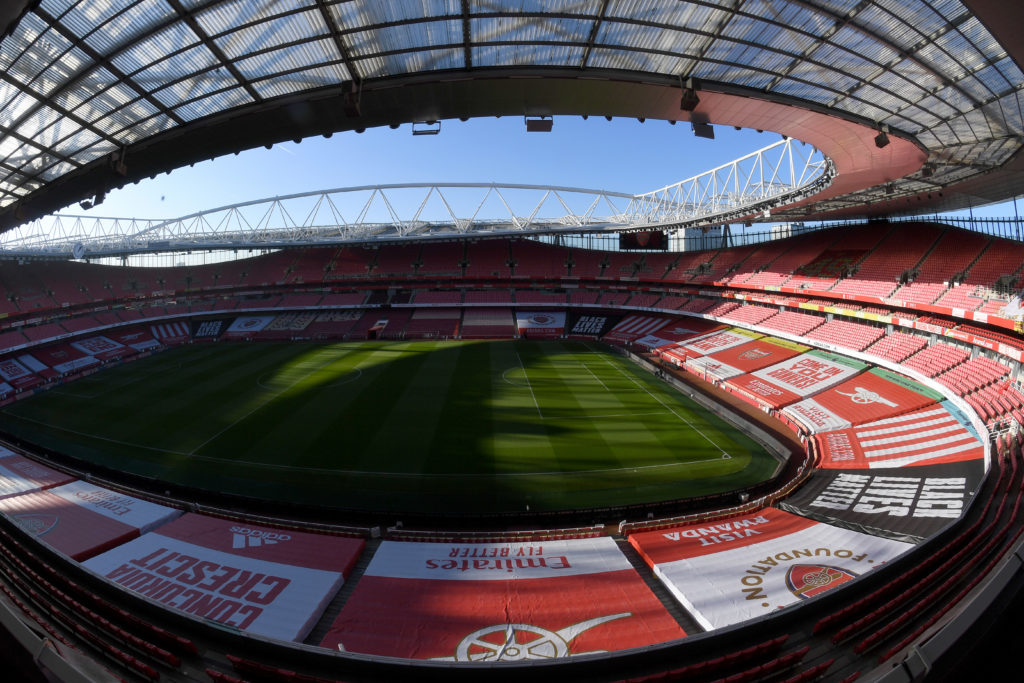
x=895, y=527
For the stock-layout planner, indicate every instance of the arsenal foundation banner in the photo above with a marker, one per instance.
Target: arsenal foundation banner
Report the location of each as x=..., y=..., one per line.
x=487, y=602
x=261, y=580
x=746, y=567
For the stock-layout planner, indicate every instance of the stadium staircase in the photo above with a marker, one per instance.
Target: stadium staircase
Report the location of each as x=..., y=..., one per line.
x=671, y=605
x=334, y=607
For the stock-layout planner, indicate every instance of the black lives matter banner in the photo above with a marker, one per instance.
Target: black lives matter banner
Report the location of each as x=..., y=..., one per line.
x=592, y=325
x=909, y=501
x=208, y=329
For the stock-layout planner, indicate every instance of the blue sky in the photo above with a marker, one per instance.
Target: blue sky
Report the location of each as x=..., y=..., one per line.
x=622, y=155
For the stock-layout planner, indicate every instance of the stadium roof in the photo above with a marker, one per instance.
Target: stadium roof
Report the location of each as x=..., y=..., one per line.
x=95, y=94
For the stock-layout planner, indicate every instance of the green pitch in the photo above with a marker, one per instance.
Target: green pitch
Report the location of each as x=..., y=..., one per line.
x=452, y=426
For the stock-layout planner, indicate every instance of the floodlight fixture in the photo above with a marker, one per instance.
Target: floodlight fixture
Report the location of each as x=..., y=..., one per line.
x=538, y=124
x=702, y=126
x=689, y=99
x=882, y=139
x=426, y=127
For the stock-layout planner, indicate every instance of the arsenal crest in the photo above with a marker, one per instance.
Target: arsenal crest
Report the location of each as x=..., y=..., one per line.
x=807, y=580
x=37, y=524
x=755, y=354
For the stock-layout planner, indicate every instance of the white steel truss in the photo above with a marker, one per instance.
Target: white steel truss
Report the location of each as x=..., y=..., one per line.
x=768, y=178
x=751, y=186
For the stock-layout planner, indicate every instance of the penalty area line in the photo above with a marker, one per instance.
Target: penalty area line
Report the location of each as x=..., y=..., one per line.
x=658, y=399
x=529, y=386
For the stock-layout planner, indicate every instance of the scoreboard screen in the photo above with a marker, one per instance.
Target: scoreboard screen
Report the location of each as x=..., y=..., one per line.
x=650, y=239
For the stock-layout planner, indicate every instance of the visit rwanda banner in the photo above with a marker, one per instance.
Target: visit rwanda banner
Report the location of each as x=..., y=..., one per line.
x=747, y=567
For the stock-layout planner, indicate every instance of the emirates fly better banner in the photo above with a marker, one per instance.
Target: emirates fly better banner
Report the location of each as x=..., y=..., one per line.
x=484, y=602
x=272, y=582
x=745, y=567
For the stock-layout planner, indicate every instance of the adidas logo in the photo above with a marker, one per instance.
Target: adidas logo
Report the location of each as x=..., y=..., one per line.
x=243, y=537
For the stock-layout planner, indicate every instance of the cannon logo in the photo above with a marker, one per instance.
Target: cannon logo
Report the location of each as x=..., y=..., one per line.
x=243, y=537
x=755, y=354
x=542, y=319
x=862, y=395
x=514, y=642
x=37, y=524
x=808, y=580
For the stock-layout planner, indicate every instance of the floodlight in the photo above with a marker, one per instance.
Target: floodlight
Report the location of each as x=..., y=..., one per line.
x=539, y=124
x=689, y=99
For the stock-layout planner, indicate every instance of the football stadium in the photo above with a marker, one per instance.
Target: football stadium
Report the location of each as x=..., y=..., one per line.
x=760, y=424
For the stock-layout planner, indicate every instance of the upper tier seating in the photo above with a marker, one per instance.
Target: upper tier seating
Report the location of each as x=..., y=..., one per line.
x=538, y=261
x=488, y=259
x=879, y=273
x=852, y=245
x=396, y=261
x=774, y=266
x=527, y=296
x=955, y=250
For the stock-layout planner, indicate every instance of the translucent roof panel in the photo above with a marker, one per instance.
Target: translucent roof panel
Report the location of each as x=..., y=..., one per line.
x=81, y=76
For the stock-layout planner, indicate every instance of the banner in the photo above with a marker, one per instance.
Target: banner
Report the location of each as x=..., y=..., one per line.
x=914, y=501
x=175, y=331
x=758, y=354
x=17, y=374
x=81, y=519
x=207, y=329
x=872, y=395
x=248, y=324
x=747, y=567
x=593, y=325
x=543, y=323
x=795, y=378
x=101, y=347
x=933, y=435
x=64, y=358
x=261, y=580
x=487, y=602
x=719, y=341
x=19, y=474
x=137, y=338
x=633, y=326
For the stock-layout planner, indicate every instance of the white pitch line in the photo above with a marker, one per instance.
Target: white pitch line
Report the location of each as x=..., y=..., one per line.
x=452, y=475
x=528, y=385
x=667, y=406
x=596, y=417
x=595, y=376
x=95, y=436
